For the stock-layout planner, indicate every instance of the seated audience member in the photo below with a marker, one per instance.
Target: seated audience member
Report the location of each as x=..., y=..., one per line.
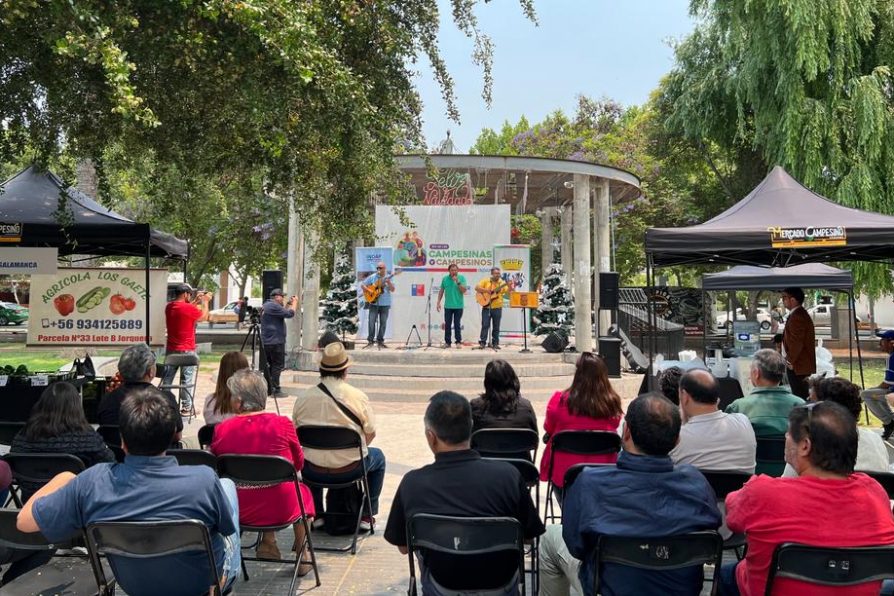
x=501, y=405
x=256, y=432
x=20, y=561
x=826, y=505
x=711, y=439
x=669, y=383
x=459, y=483
x=589, y=404
x=219, y=405
x=668, y=500
x=57, y=425
x=137, y=367
x=872, y=455
x=149, y=485
x=333, y=402
x=877, y=402
x=769, y=403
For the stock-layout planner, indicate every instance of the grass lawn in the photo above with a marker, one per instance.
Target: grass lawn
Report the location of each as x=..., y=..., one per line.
x=49, y=359
x=873, y=374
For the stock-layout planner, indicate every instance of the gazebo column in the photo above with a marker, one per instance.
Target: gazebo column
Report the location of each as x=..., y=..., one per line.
x=546, y=239
x=294, y=259
x=602, y=247
x=581, y=264
x=565, y=220
x=310, y=295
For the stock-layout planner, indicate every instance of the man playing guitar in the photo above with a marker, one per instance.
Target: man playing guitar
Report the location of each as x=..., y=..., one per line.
x=378, y=307
x=489, y=293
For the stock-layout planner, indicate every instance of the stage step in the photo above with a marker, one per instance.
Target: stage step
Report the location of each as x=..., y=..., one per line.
x=525, y=370
x=432, y=384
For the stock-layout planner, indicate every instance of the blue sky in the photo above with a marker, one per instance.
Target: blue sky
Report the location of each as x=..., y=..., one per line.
x=612, y=48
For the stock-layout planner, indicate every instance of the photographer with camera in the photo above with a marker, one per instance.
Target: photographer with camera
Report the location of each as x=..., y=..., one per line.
x=274, y=312
x=181, y=315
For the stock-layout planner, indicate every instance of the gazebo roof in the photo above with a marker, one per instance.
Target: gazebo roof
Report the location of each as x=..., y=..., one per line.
x=501, y=179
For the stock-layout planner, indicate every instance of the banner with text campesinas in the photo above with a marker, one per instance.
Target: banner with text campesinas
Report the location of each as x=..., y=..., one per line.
x=425, y=241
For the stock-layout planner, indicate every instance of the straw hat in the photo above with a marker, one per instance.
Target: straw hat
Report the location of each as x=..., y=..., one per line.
x=334, y=358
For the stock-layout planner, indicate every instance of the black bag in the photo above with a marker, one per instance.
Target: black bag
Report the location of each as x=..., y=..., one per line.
x=342, y=506
x=84, y=368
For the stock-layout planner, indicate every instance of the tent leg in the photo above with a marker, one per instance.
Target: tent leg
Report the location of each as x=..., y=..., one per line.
x=651, y=325
x=148, y=296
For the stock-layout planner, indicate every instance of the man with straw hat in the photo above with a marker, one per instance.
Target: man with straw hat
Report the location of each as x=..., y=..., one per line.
x=333, y=402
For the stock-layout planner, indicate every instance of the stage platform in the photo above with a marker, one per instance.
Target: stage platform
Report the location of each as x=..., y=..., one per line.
x=413, y=375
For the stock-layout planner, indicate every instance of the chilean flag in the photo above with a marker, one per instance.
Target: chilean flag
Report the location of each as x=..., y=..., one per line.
x=417, y=290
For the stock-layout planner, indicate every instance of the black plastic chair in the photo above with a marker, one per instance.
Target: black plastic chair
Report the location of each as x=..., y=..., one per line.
x=178, y=361
x=261, y=471
x=8, y=430
x=206, y=435
x=194, y=457
x=661, y=554
x=39, y=468
x=147, y=540
x=770, y=456
x=577, y=442
x=531, y=477
x=506, y=443
x=335, y=438
x=466, y=536
x=723, y=484
x=69, y=575
x=110, y=434
x=831, y=566
x=886, y=479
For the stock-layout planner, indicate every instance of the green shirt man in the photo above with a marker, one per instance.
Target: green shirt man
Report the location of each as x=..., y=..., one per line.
x=454, y=287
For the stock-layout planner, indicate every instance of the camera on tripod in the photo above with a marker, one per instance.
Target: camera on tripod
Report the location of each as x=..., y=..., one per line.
x=253, y=315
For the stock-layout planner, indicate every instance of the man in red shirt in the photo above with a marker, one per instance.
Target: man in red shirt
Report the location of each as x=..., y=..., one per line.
x=181, y=315
x=826, y=505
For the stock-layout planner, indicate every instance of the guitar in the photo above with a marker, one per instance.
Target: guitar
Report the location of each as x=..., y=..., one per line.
x=485, y=298
x=371, y=293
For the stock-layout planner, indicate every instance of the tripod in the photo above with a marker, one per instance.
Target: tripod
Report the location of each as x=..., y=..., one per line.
x=413, y=330
x=254, y=334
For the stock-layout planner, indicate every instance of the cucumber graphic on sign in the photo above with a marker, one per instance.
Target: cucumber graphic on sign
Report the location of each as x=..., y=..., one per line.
x=93, y=298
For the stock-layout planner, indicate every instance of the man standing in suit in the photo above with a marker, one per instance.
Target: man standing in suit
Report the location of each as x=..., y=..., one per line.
x=798, y=342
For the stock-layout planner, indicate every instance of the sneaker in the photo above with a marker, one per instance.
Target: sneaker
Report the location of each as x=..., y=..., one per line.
x=382, y=346
x=445, y=346
x=496, y=348
x=479, y=347
x=318, y=523
x=186, y=411
x=888, y=430
x=459, y=346
x=366, y=523
x=278, y=394
x=369, y=344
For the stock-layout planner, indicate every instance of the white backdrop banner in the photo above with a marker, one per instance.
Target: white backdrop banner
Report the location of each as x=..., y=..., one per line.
x=426, y=240
x=514, y=261
x=97, y=307
x=365, y=259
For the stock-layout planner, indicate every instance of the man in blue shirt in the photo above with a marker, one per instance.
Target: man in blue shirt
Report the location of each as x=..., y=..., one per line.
x=668, y=500
x=877, y=399
x=148, y=486
x=378, y=308
x=274, y=313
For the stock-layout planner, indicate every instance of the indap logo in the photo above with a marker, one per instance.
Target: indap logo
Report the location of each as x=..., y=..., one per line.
x=511, y=264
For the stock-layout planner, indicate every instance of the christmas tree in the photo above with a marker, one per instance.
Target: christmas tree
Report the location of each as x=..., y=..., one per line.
x=340, y=303
x=556, y=311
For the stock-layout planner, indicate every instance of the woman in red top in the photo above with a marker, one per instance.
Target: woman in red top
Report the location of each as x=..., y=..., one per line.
x=589, y=404
x=252, y=431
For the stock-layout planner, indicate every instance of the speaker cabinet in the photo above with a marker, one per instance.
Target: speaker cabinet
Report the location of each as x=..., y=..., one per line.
x=608, y=290
x=555, y=342
x=270, y=280
x=610, y=350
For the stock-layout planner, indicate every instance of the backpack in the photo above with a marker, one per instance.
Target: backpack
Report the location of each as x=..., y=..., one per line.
x=342, y=506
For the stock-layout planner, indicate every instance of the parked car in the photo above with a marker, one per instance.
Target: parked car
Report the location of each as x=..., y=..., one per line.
x=228, y=313
x=12, y=314
x=763, y=317
x=822, y=314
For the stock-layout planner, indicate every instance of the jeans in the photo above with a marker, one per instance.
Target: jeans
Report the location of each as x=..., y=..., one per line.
x=453, y=316
x=276, y=361
x=726, y=585
x=377, y=314
x=375, y=471
x=878, y=405
x=490, y=317
x=558, y=569
x=232, y=543
x=187, y=378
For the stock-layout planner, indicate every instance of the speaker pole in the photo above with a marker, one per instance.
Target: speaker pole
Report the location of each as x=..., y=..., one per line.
x=525, y=350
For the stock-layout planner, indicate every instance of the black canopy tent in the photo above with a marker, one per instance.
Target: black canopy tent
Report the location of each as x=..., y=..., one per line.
x=808, y=275
x=52, y=215
x=778, y=224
